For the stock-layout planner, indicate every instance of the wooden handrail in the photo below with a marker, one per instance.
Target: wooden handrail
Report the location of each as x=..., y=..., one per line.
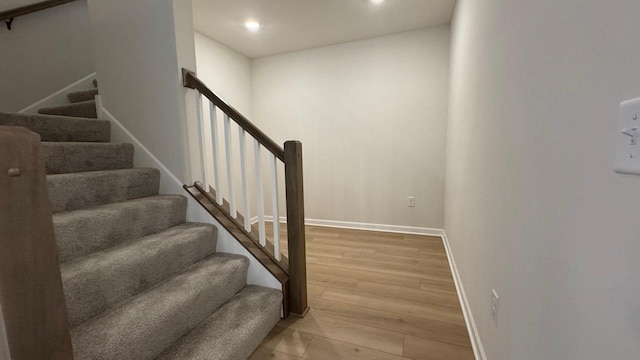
x=191, y=81
x=31, y=295
x=28, y=9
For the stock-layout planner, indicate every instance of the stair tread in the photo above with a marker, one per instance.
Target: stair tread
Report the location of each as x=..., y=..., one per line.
x=79, y=190
x=85, y=109
x=83, y=95
x=100, y=280
x=60, y=128
x=140, y=328
x=72, y=157
x=234, y=330
x=85, y=231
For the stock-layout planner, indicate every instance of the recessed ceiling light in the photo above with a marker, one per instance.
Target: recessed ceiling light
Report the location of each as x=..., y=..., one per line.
x=377, y=1
x=252, y=25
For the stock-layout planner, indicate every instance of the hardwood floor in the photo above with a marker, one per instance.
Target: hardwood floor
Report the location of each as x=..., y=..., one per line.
x=373, y=295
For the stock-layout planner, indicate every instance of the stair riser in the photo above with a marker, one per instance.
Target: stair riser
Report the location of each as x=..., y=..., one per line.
x=75, y=191
x=99, y=281
x=80, y=96
x=82, y=232
x=150, y=323
x=56, y=128
x=85, y=109
x=64, y=158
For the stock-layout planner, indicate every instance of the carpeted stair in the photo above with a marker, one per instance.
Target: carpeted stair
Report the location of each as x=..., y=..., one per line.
x=85, y=109
x=140, y=282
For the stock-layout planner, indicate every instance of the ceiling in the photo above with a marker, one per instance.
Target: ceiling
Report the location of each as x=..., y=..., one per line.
x=289, y=25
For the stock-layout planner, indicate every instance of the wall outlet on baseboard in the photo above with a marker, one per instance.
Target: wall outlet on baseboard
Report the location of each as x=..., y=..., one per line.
x=495, y=302
x=411, y=201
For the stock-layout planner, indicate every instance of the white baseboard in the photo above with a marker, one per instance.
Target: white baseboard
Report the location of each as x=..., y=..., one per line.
x=375, y=227
x=474, y=336
x=60, y=97
x=362, y=226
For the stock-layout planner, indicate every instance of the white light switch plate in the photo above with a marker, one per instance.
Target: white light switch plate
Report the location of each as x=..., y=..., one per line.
x=627, y=158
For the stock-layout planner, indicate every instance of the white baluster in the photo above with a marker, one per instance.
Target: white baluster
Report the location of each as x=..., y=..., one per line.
x=227, y=146
x=243, y=174
x=201, y=141
x=214, y=139
x=276, y=217
x=260, y=194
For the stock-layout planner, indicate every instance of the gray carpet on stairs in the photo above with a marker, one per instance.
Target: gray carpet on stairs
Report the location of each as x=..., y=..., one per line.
x=148, y=323
x=96, y=282
x=60, y=128
x=79, y=190
x=234, y=330
x=84, y=95
x=85, y=109
x=139, y=281
x=72, y=157
x=85, y=231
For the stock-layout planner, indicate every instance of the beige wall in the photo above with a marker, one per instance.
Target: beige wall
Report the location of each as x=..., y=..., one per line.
x=43, y=53
x=371, y=116
x=533, y=207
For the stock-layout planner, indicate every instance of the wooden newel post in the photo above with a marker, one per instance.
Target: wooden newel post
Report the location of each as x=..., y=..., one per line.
x=31, y=297
x=295, y=228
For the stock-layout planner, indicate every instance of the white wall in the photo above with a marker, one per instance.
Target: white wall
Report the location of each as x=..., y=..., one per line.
x=44, y=52
x=139, y=71
x=371, y=116
x=225, y=71
x=533, y=207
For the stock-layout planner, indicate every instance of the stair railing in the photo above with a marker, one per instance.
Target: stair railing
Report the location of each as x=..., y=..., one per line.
x=293, y=264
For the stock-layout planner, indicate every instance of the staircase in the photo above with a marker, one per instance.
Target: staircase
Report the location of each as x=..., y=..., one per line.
x=139, y=281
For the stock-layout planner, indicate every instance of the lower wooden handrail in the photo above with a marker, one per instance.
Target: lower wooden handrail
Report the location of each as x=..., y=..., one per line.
x=31, y=295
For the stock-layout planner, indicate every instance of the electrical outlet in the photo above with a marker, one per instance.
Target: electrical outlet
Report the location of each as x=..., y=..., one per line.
x=411, y=201
x=495, y=302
